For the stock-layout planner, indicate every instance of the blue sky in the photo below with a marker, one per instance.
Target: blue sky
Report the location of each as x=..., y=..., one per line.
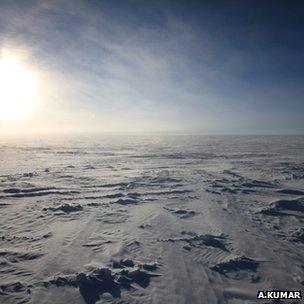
x=212, y=67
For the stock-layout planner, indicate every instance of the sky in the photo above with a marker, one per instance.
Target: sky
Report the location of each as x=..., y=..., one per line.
x=210, y=67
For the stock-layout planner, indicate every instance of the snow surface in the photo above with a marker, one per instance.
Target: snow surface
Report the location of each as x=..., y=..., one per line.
x=150, y=219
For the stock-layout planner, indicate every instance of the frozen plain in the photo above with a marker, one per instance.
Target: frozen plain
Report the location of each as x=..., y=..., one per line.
x=150, y=219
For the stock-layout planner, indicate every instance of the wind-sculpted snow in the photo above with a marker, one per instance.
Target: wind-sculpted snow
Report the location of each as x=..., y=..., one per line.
x=238, y=268
x=182, y=213
x=66, y=208
x=158, y=219
x=15, y=256
x=123, y=274
x=298, y=235
x=285, y=207
x=198, y=240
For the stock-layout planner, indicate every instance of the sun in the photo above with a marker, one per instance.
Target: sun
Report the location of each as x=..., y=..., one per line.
x=18, y=90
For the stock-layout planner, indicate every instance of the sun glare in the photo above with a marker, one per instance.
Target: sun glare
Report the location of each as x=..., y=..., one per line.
x=18, y=90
